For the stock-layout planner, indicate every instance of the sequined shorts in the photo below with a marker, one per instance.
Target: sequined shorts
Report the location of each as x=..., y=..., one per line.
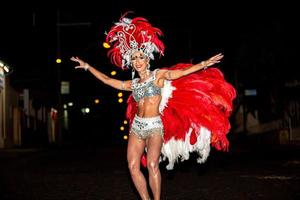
x=145, y=127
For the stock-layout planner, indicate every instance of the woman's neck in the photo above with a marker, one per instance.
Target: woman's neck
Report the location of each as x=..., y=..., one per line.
x=144, y=74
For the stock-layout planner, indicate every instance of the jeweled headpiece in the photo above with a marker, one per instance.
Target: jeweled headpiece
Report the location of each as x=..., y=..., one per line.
x=130, y=35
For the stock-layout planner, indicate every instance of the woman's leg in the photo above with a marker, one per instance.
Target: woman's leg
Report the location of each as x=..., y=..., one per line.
x=135, y=149
x=154, y=144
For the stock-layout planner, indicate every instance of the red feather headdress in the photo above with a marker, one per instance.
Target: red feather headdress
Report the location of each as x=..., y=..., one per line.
x=130, y=35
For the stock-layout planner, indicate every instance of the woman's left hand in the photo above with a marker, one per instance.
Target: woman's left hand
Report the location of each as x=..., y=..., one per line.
x=81, y=63
x=213, y=60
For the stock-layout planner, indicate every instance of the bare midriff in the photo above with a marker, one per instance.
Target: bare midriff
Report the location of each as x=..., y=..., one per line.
x=149, y=106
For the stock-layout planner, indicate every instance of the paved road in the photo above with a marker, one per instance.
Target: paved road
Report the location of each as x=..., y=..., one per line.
x=89, y=173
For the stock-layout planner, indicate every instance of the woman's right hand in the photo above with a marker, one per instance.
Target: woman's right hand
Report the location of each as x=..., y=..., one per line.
x=82, y=64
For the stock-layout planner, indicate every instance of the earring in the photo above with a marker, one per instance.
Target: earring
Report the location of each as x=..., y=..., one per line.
x=148, y=68
x=132, y=73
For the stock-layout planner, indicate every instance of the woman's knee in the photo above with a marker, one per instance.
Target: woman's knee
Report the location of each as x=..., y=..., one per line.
x=152, y=165
x=133, y=167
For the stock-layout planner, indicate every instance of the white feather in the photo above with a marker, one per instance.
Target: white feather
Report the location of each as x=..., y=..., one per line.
x=178, y=149
x=166, y=93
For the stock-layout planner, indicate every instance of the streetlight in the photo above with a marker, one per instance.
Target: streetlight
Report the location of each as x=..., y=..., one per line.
x=5, y=67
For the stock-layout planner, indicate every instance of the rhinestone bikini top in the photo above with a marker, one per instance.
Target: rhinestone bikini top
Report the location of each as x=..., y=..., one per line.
x=146, y=88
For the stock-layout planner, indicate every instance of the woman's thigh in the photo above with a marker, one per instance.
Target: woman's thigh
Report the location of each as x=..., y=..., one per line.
x=135, y=148
x=154, y=145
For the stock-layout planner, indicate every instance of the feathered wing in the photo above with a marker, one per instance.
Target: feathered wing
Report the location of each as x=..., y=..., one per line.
x=195, y=111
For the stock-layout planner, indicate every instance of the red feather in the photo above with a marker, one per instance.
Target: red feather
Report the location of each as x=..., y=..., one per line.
x=143, y=32
x=201, y=99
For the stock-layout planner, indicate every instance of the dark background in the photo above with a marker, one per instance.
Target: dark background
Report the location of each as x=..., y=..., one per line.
x=259, y=41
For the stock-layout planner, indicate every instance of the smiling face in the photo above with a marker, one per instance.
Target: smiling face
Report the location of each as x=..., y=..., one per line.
x=139, y=61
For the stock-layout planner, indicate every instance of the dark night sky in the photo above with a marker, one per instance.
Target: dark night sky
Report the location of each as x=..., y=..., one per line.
x=260, y=43
x=192, y=30
x=253, y=37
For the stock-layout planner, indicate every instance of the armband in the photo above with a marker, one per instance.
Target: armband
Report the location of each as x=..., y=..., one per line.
x=85, y=67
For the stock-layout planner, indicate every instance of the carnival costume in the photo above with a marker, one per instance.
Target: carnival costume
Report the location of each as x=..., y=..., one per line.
x=145, y=127
x=194, y=109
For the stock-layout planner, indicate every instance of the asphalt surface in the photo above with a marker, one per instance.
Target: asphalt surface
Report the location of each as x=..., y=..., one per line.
x=83, y=172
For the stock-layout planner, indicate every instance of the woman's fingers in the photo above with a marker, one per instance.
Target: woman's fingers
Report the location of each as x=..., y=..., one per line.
x=216, y=58
x=213, y=60
x=80, y=62
x=74, y=59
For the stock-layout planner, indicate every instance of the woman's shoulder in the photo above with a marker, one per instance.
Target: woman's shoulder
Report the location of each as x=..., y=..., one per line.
x=157, y=73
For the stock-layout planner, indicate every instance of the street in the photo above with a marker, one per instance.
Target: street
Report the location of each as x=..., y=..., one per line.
x=88, y=172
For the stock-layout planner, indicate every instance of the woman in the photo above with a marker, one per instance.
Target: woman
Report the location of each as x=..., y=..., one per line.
x=150, y=107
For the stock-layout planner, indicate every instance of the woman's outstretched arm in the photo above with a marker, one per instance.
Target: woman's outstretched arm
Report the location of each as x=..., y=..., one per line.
x=178, y=73
x=118, y=84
